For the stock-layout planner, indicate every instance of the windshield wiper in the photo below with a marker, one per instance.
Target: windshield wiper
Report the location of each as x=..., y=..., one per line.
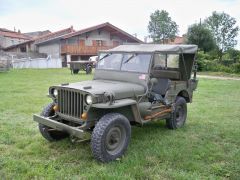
x=105, y=56
x=132, y=56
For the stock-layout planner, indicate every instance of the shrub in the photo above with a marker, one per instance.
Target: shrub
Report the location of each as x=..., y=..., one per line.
x=202, y=60
x=235, y=67
x=207, y=62
x=227, y=62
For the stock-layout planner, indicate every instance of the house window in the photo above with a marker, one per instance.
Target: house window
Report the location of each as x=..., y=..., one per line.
x=72, y=40
x=99, y=43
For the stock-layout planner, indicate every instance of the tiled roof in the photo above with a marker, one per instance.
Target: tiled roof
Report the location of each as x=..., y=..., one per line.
x=7, y=30
x=177, y=40
x=12, y=34
x=104, y=25
x=45, y=38
x=53, y=35
x=36, y=34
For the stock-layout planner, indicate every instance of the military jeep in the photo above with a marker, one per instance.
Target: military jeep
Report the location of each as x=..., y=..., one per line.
x=132, y=85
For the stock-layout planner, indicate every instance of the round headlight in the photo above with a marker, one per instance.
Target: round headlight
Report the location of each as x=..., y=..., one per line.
x=55, y=92
x=89, y=99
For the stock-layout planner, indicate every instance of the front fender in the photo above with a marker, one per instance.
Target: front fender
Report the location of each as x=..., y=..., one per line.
x=119, y=105
x=116, y=104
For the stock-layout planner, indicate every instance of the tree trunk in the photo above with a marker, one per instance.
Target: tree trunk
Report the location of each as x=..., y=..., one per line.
x=220, y=55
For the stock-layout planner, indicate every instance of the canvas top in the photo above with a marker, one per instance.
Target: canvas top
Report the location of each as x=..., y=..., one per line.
x=150, y=48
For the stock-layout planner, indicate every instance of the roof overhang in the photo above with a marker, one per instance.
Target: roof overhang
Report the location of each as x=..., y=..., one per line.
x=114, y=31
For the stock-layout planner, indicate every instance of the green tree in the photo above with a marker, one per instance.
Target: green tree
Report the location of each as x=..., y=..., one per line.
x=224, y=30
x=161, y=27
x=200, y=35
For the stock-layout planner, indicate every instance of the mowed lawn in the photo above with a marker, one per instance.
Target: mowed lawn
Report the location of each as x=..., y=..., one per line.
x=208, y=147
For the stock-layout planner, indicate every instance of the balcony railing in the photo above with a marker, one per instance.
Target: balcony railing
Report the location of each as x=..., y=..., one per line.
x=82, y=50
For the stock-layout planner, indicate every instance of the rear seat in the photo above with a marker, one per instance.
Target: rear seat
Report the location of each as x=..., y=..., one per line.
x=168, y=74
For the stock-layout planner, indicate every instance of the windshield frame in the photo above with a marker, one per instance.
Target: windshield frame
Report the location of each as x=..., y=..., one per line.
x=133, y=53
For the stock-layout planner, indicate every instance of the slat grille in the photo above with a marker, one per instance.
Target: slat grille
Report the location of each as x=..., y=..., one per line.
x=70, y=102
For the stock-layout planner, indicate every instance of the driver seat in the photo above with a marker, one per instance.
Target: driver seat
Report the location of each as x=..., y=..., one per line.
x=160, y=88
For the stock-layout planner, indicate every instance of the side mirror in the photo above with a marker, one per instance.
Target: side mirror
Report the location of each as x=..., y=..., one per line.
x=154, y=81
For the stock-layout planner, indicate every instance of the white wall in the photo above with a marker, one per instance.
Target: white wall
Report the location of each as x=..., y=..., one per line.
x=51, y=49
x=38, y=63
x=7, y=41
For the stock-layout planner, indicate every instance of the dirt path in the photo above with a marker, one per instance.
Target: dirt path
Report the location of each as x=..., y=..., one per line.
x=218, y=77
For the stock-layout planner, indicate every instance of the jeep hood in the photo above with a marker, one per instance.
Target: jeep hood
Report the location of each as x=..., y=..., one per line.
x=117, y=88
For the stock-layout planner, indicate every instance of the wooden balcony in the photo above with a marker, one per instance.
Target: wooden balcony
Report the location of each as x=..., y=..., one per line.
x=82, y=50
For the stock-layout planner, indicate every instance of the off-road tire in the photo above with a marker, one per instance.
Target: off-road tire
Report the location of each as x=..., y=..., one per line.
x=44, y=130
x=75, y=71
x=101, y=137
x=179, y=116
x=88, y=69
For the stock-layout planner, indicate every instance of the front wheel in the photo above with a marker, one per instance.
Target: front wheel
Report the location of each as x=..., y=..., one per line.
x=47, y=132
x=110, y=137
x=179, y=116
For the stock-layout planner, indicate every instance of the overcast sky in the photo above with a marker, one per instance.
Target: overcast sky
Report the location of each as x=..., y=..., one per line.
x=129, y=15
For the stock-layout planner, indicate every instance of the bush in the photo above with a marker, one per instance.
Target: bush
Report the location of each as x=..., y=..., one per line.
x=207, y=62
x=206, y=65
x=202, y=60
x=235, y=67
x=227, y=62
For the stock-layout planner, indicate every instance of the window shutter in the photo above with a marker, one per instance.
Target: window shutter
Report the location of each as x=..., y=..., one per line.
x=94, y=42
x=82, y=42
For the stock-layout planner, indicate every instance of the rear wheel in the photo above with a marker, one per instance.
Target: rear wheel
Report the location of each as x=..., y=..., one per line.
x=47, y=132
x=110, y=137
x=88, y=69
x=75, y=71
x=178, y=117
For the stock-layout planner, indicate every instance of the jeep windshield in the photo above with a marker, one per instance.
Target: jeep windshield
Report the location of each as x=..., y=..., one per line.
x=131, y=62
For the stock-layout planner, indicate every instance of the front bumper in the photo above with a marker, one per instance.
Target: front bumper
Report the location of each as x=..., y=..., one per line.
x=73, y=131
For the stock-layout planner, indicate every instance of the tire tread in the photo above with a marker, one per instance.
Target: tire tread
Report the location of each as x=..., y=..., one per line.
x=98, y=133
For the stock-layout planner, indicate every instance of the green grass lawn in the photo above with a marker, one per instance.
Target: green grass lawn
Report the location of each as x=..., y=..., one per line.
x=206, y=148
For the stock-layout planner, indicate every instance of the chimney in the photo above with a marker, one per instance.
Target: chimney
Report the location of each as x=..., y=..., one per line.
x=19, y=32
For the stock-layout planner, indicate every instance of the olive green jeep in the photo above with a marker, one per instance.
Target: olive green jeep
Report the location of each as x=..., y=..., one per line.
x=132, y=85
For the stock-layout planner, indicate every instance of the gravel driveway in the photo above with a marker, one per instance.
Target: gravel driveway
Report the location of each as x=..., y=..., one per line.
x=218, y=77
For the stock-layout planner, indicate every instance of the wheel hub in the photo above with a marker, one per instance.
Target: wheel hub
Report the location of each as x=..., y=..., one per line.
x=115, y=139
